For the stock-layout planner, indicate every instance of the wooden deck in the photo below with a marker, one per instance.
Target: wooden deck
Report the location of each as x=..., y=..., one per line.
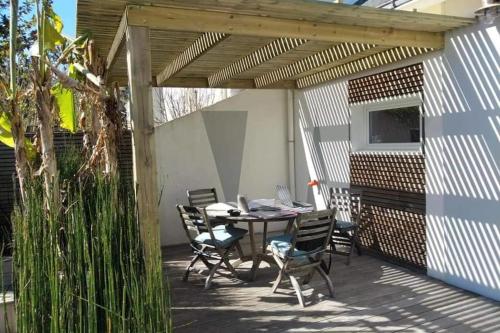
x=371, y=296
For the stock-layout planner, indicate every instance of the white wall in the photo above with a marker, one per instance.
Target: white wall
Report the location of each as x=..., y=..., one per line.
x=463, y=161
x=462, y=129
x=322, y=140
x=462, y=8
x=187, y=159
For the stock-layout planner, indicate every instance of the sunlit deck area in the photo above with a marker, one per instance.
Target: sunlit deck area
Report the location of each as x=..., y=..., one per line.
x=371, y=296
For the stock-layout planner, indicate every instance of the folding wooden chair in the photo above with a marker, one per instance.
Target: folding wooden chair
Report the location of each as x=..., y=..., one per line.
x=283, y=194
x=345, y=232
x=202, y=197
x=299, y=254
x=212, y=244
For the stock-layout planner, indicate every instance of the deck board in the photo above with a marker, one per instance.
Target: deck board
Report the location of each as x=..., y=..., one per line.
x=371, y=295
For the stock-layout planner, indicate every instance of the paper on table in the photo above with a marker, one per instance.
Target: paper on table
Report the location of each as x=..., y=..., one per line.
x=272, y=214
x=219, y=208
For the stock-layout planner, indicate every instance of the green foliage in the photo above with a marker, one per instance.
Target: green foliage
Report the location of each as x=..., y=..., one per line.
x=26, y=34
x=53, y=26
x=83, y=270
x=69, y=162
x=64, y=99
x=7, y=139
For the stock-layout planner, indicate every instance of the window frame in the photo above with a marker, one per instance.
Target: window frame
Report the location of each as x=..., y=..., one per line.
x=360, y=122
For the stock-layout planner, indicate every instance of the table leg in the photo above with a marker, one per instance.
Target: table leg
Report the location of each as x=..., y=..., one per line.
x=253, y=248
x=264, y=238
x=289, y=226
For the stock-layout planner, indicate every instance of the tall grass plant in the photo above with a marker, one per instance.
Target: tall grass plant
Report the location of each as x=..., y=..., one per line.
x=81, y=268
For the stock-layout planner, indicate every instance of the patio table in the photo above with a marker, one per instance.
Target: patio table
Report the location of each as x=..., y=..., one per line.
x=219, y=211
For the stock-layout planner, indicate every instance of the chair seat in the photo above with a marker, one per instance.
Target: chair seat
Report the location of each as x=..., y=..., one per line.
x=201, y=225
x=224, y=237
x=345, y=225
x=281, y=244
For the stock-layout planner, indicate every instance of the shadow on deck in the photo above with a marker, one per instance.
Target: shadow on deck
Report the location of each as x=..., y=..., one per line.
x=371, y=296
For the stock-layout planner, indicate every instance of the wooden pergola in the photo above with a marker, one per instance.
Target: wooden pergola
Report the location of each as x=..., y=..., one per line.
x=284, y=44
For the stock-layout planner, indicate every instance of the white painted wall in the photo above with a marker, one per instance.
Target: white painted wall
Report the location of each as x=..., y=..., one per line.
x=462, y=129
x=186, y=161
x=463, y=161
x=322, y=140
x=462, y=8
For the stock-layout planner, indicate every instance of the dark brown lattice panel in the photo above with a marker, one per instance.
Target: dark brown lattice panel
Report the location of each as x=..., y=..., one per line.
x=400, y=172
x=396, y=234
x=392, y=222
x=400, y=81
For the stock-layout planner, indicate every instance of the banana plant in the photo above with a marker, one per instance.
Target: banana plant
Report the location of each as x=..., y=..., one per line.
x=11, y=125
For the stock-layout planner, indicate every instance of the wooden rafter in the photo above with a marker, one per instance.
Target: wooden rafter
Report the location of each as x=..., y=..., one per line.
x=118, y=42
x=254, y=59
x=169, y=18
x=375, y=60
x=194, y=82
x=194, y=51
x=317, y=62
x=202, y=82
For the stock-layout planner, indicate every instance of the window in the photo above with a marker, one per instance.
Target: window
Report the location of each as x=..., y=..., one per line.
x=392, y=125
x=401, y=125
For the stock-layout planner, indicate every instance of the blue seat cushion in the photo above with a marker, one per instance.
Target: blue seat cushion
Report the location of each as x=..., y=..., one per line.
x=281, y=244
x=345, y=225
x=201, y=224
x=224, y=237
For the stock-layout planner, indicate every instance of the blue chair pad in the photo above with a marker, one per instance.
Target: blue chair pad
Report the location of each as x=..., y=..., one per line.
x=224, y=237
x=281, y=244
x=344, y=225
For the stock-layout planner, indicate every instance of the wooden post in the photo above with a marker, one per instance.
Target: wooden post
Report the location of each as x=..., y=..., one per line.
x=143, y=141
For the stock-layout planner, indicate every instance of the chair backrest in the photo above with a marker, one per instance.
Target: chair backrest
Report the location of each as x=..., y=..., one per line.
x=202, y=197
x=312, y=233
x=284, y=195
x=345, y=201
x=194, y=220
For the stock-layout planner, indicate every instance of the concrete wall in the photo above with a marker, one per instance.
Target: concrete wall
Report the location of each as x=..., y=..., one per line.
x=462, y=129
x=238, y=145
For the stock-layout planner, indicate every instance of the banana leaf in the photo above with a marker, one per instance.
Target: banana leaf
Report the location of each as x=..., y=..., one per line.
x=52, y=30
x=5, y=131
x=65, y=102
x=7, y=139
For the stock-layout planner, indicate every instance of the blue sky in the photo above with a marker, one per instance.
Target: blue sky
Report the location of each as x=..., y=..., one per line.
x=67, y=10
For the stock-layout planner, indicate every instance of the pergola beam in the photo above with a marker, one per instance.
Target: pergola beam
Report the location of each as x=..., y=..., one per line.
x=317, y=62
x=356, y=66
x=118, y=42
x=168, y=18
x=195, y=82
x=202, y=82
x=254, y=59
x=194, y=51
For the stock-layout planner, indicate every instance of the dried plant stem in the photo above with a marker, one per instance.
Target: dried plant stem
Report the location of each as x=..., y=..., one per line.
x=46, y=134
x=22, y=165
